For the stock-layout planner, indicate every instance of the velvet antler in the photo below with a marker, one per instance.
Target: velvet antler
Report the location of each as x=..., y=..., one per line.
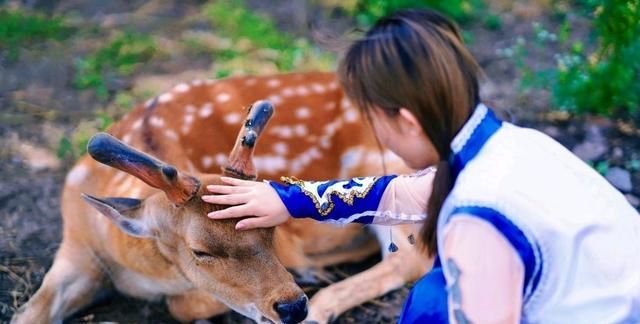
x=108, y=150
x=240, y=163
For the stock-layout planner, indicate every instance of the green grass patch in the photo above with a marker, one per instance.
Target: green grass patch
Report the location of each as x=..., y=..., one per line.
x=19, y=29
x=255, y=38
x=121, y=56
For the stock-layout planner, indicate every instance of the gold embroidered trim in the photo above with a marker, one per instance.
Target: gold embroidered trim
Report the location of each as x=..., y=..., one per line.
x=347, y=198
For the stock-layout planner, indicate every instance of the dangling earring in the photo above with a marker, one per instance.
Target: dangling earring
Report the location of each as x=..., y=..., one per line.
x=392, y=246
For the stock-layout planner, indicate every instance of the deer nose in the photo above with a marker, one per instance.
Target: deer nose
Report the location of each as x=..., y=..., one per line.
x=292, y=312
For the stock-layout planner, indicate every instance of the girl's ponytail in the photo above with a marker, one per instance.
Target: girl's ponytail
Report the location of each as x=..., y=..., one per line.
x=442, y=184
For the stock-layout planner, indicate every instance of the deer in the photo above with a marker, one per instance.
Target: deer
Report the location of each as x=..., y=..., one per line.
x=133, y=217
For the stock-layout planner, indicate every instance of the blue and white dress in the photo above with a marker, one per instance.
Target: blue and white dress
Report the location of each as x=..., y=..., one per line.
x=577, y=238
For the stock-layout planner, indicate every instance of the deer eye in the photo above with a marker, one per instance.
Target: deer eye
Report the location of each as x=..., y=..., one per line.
x=201, y=254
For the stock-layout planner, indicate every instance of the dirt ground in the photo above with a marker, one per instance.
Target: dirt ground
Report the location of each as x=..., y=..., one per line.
x=38, y=105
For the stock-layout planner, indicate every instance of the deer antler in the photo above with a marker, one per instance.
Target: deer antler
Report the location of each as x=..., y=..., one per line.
x=240, y=163
x=108, y=150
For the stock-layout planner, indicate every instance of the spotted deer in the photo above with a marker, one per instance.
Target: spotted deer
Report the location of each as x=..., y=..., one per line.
x=156, y=241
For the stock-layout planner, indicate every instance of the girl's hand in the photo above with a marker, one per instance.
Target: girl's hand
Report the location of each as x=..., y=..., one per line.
x=249, y=198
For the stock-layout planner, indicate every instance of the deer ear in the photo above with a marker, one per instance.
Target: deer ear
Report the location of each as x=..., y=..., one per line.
x=123, y=212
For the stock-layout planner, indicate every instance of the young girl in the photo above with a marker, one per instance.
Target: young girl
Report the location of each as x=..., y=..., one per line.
x=523, y=230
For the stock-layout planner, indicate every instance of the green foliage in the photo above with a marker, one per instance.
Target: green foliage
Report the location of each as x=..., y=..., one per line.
x=18, y=29
x=120, y=57
x=75, y=145
x=257, y=35
x=605, y=80
x=368, y=12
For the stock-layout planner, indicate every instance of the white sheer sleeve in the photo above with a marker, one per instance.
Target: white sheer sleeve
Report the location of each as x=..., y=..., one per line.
x=405, y=198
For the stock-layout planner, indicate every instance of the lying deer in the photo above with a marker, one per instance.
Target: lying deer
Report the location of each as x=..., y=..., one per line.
x=158, y=243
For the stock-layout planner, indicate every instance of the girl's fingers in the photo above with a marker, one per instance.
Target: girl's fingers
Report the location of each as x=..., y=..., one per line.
x=253, y=222
x=231, y=212
x=222, y=189
x=230, y=199
x=237, y=182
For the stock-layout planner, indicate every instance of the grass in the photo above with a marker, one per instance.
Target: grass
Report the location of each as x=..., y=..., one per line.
x=120, y=57
x=19, y=29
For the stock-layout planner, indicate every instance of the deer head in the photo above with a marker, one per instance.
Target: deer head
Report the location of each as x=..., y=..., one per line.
x=240, y=268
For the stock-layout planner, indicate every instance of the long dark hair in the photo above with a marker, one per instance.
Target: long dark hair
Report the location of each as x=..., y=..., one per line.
x=416, y=59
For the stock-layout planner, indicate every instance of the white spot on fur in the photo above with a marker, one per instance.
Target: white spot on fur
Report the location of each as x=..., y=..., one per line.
x=250, y=81
x=270, y=163
x=190, y=109
x=165, y=97
x=350, y=116
x=318, y=88
x=232, y=118
x=331, y=105
x=77, y=175
x=196, y=82
x=137, y=124
x=126, y=139
x=350, y=159
x=181, y=88
x=207, y=161
x=288, y=92
x=171, y=134
x=206, y=110
x=333, y=85
x=275, y=99
x=300, y=130
x=304, y=159
x=345, y=103
x=273, y=83
x=302, y=90
x=221, y=159
x=280, y=148
x=303, y=112
x=223, y=97
x=282, y=131
x=325, y=143
x=156, y=121
x=209, y=82
x=186, y=125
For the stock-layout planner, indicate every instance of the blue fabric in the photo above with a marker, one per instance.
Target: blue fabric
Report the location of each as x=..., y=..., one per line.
x=297, y=197
x=427, y=301
x=517, y=239
x=487, y=127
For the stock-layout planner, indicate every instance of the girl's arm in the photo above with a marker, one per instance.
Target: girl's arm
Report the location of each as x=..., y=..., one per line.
x=485, y=273
x=380, y=200
x=392, y=199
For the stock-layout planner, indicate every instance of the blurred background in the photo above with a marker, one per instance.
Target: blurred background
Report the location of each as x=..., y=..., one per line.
x=69, y=68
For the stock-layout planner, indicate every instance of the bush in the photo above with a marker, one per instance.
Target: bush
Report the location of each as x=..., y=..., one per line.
x=605, y=80
x=368, y=12
x=19, y=29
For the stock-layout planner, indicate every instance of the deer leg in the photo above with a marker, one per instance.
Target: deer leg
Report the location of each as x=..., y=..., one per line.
x=395, y=270
x=67, y=287
x=195, y=305
x=368, y=249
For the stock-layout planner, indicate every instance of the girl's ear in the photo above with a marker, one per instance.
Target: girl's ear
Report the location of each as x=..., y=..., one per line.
x=409, y=122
